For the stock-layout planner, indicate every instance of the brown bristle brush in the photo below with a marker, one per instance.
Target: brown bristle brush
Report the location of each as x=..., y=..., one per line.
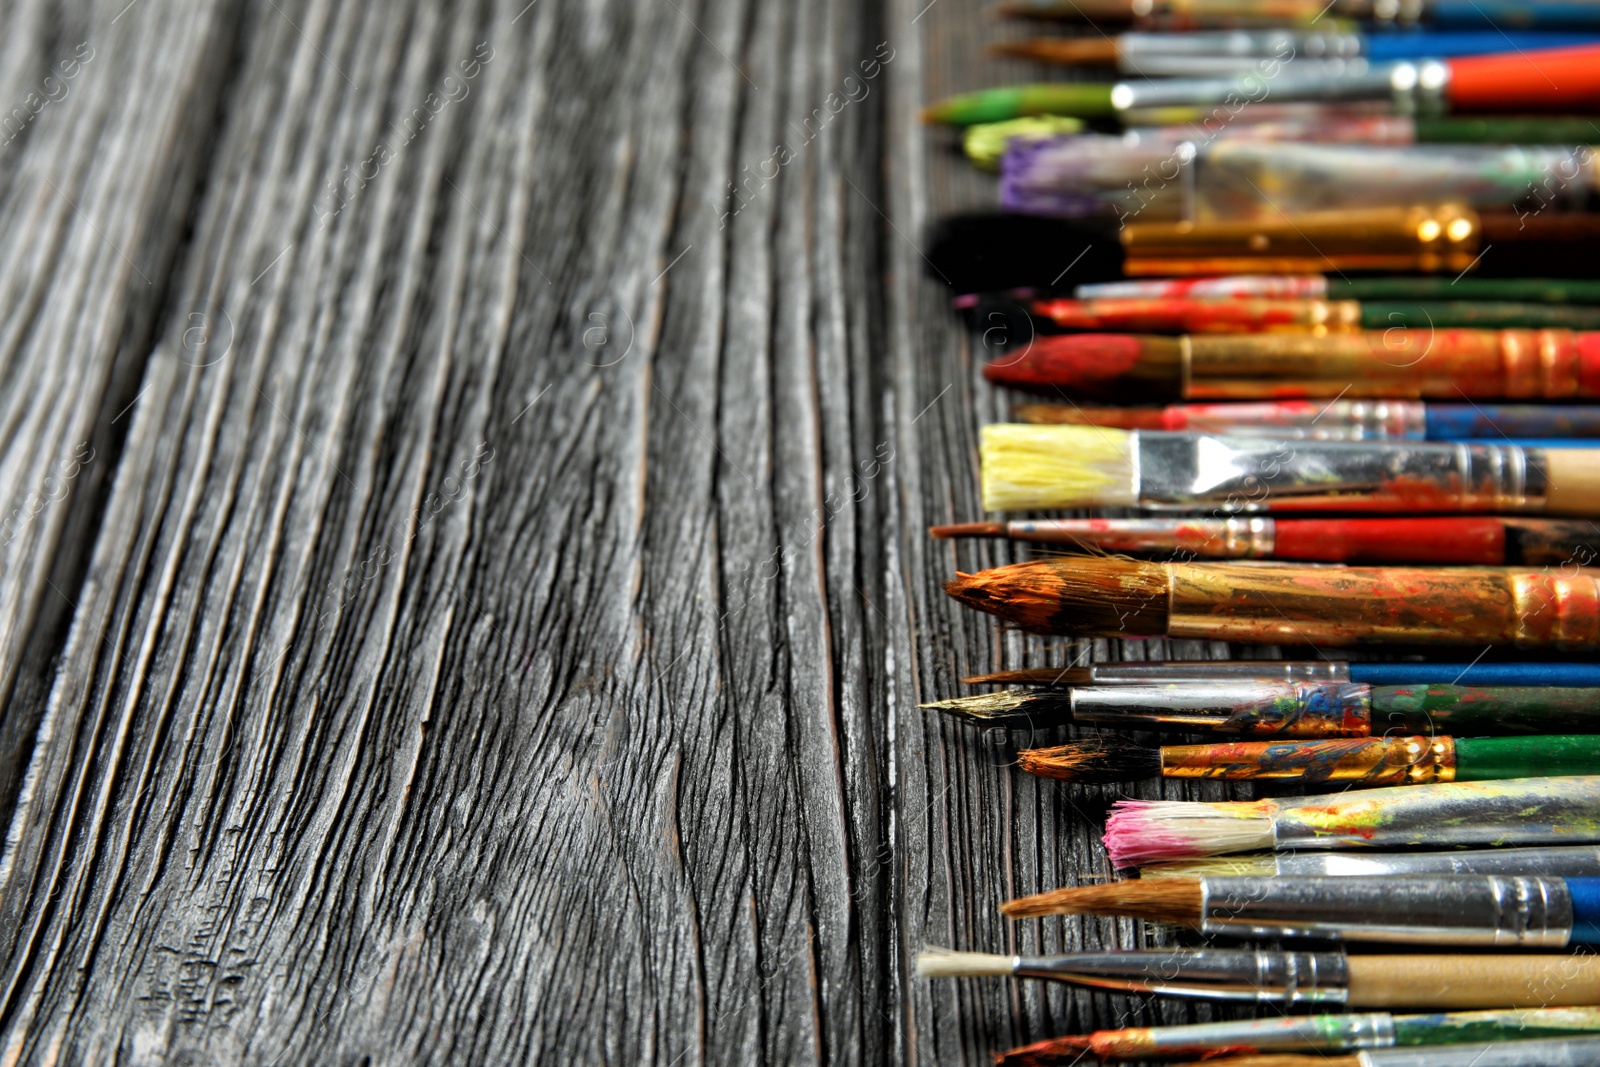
x=1168, y=900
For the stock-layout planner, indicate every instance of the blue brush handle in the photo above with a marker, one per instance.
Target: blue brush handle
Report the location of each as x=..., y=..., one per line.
x=1513, y=15
x=1462, y=422
x=1569, y=675
x=1585, y=893
x=1390, y=47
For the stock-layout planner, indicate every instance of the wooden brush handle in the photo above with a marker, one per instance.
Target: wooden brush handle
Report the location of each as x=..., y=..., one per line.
x=1574, y=482
x=1474, y=981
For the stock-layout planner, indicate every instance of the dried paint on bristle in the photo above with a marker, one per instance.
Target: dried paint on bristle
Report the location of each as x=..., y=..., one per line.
x=935, y=962
x=1073, y=415
x=1089, y=595
x=1216, y=867
x=1055, y=1050
x=1008, y=704
x=1167, y=900
x=1102, y=758
x=1148, y=831
x=1029, y=468
x=1058, y=676
x=1105, y=366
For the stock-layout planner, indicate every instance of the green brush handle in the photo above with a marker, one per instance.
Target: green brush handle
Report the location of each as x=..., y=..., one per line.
x=1517, y=129
x=1482, y=759
x=1473, y=1027
x=1481, y=315
x=1465, y=711
x=1525, y=290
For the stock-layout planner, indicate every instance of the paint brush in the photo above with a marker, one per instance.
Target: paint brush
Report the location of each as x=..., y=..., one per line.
x=1444, y=14
x=1259, y=315
x=1406, y=364
x=1520, y=811
x=1546, y=1052
x=1480, y=672
x=1322, y=287
x=998, y=251
x=1366, y=761
x=1266, y=977
x=1467, y=541
x=986, y=142
x=1547, y=81
x=1313, y=1033
x=1340, y=420
x=1200, y=54
x=1469, y=911
x=1284, y=709
x=1564, y=861
x=1282, y=603
x=1031, y=467
x=1233, y=178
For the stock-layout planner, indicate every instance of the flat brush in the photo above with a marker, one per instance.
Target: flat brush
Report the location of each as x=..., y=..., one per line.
x=1259, y=315
x=1520, y=811
x=1563, y=861
x=1444, y=14
x=1469, y=540
x=1286, y=709
x=1341, y=420
x=1314, y=1033
x=993, y=252
x=1386, y=981
x=1378, y=673
x=1484, y=911
x=1323, y=287
x=1408, y=364
x=1285, y=603
x=1367, y=761
x=1029, y=467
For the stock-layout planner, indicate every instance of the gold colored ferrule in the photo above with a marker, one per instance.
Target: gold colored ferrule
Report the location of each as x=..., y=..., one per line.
x=1367, y=760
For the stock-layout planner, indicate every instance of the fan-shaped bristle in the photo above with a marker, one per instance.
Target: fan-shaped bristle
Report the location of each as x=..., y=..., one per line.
x=1168, y=900
x=1093, y=759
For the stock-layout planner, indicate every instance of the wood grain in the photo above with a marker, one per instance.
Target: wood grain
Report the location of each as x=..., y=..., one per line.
x=491, y=624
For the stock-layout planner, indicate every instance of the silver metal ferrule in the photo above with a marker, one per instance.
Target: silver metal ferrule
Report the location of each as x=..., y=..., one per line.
x=1560, y=861
x=1342, y=420
x=1483, y=911
x=1249, y=44
x=1245, y=474
x=1214, y=974
x=1224, y=65
x=1160, y=672
x=1419, y=88
x=1401, y=12
x=1361, y=81
x=1284, y=1033
x=1276, y=709
x=1545, y=1052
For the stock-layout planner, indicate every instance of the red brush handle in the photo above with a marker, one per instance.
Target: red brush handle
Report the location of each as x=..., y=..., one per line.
x=1555, y=80
x=1464, y=541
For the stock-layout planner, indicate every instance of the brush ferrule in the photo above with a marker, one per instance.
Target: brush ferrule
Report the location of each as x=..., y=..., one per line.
x=1280, y=709
x=1564, y=861
x=1360, y=80
x=1140, y=47
x=1327, y=1033
x=1492, y=911
x=1521, y=811
x=1213, y=974
x=1367, y=760
x=1208, y=671
x=1244, y=474
x=1342, y=420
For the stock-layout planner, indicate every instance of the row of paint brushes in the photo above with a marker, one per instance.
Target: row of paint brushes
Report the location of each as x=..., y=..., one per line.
x=1308, y=416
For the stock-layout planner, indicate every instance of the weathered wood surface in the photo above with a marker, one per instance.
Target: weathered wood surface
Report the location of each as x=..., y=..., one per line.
x=464, y=594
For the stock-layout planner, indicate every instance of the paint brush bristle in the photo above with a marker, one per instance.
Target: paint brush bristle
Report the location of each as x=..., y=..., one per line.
x=934, y=962
x=1072, y=595
x=1092, y=760
x=1168, y=900
x=1028, y=467
x=1007, y=704
x=1047, y=1053
x=1076, y=415
x=967, y=529
x=1147, y=831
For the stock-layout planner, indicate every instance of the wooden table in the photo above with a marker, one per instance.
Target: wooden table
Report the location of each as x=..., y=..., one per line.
x=464, y=593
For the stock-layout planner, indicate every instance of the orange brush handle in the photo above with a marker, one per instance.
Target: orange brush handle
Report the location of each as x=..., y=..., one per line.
x=1549, y=81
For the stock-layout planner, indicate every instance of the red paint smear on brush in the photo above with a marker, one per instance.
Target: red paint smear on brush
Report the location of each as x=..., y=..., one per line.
x=1084, y=361
x=1464, y=541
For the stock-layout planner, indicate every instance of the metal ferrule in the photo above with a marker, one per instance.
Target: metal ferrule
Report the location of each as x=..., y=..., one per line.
x=1566, y=861
x=1342, y=420
x=1394, y=12
x=1290, y=84
x=1214, y=974
x=1491, y=911
x=1208, y=671
x=1252, y=538
x=1224, y=65
x=1366, y=760
x=1326, y=1033
x=1280, y=709
x=1257, y=44
x=1245, y=474
x=1521, y=811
